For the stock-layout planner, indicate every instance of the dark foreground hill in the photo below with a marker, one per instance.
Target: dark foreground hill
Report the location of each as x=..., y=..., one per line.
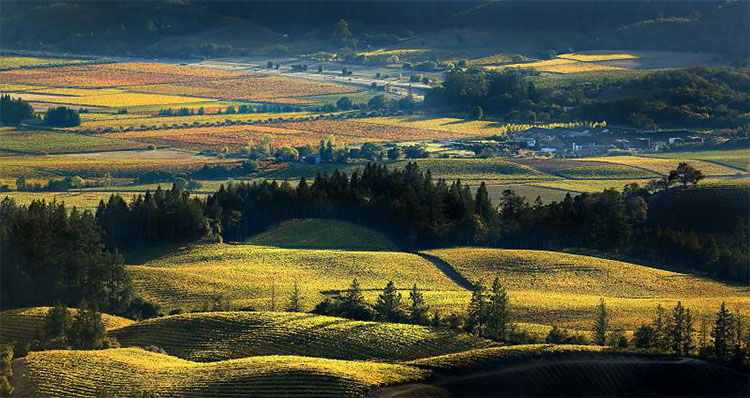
x=585, y=376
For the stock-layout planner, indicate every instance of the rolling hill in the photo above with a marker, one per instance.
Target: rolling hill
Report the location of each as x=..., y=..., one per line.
x=564, y=289
x=26, y=324
x=249, y=276
x=217, y=336
x=129, y=371
x=316, y=233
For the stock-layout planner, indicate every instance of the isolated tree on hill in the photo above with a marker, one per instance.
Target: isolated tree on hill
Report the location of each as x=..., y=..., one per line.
x=686, y=174
x=497, y=314
x=722, y=333
x=344, y=103
x=601, y=324
x=295, y=300
x=417, y=307
x=476, y=317
x=476, y=113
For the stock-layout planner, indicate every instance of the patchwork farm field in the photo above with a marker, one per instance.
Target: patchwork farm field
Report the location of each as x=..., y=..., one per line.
x=51, y=142
x=126, y=371
x=118, y=163
x=7, y=62
x=737, y=158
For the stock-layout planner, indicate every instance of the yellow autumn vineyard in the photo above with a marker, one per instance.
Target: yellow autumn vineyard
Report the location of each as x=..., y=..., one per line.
x=128, y=371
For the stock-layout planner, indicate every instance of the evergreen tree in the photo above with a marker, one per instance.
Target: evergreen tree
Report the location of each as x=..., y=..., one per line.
x=295, y=300
x=417, y=307
x=483, y=205
x=661, y=330
x=722, y=333
x=677, y=329
x=687, y=341
x=87, y=330
x=601, y=325
x=703, y=338
x=498, y=317
x=476, y=317
x=352, y=303
x=388, y=305
x=57, y=322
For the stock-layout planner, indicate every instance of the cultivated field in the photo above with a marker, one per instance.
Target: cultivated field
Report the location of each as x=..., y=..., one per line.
x=587, y=170
x=663, y=166
x=118, y=163
x=249, y=275
x=127, y=371
x=738, y=158
x=7, y=62
x=27, y=324
x=318, y=233
x=216, y=336
x=51, y=142
x=564, y=289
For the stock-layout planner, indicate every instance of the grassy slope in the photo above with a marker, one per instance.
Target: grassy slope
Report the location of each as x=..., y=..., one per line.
x=26, y=323
x=245, y=274
x=558, y=288
x=128, y=370
x=217, y=336
x=319, y=233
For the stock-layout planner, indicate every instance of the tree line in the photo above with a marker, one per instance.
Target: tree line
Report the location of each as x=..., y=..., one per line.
x=419, y=212
x=13, y=111
x=705, y=97
x=51, y=253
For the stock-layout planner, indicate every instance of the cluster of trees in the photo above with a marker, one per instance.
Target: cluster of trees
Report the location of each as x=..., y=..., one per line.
x=162, y=216
x=52, y=253
x=487, y=316
x=62, y=116
x=710, y=97
x=678, y=332
x=388, y=307
x=82, y=331
x=379, y=101
x=14, y=110
x=54, y=184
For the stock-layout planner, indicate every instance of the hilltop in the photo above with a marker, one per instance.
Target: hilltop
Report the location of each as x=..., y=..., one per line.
x=313, y=233
x=249, y=275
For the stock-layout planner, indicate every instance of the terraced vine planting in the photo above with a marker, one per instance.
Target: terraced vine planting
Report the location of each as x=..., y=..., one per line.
x=208, y=337
x=127, y=371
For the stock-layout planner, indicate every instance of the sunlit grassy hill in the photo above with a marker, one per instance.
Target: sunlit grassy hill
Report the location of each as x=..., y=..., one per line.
x=249, y=275
x=26, y=324
x=564, y=289
x=216, y=336
x=314, y=233
x=127, y=371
